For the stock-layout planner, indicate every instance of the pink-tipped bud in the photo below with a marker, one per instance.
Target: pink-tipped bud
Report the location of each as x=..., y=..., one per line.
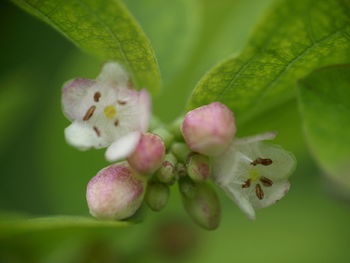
x=198, y=167
x=148, y=155
x=209, y=129
x=115, y=193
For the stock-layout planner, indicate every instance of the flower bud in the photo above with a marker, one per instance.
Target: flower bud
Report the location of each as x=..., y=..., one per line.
x=201, y=203
x=115, y=193
x=209, y=129
x=166, y=136
x=198, y=167
x=167, y=172
x=180, y=170
x=157, y=196
x=148, y=155
x=175, y=128
x=181, y=151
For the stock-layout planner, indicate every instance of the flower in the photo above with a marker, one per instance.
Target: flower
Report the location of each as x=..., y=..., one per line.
x=105, y=112
x=253, y=173
x=148, y=155
x=115, y=193
x=209, y=129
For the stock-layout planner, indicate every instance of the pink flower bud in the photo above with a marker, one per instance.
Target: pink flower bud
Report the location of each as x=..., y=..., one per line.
x=148, y=155
x=209, y=129
x=115, y=193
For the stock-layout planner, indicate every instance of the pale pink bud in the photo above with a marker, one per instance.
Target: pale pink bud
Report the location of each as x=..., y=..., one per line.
x=209, y=129
x=148, y=155
x=115, y=193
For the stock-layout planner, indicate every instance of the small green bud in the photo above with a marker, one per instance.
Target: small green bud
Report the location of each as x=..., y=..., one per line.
x=198, y=167
x=181, y=170
x=187, y=187
x=201, y=203
x=167, y=172
x=175, y=128
x=181, y=151
x=167, y=137
x=157, y=196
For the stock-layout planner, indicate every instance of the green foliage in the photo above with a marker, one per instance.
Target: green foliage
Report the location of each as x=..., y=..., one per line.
x=324, y=98
x=20, y=225
x=104, y=28
x=224, y=27
x=296, y=37
x=172, y=27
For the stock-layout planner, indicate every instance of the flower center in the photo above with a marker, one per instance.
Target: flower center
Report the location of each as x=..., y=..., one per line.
x=110, y=111
x=254, y=175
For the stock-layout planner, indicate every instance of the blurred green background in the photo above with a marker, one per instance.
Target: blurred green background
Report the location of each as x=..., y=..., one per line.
x=41, y=175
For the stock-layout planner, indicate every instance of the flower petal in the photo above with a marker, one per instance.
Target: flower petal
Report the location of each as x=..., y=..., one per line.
x=74, y=92
x=283, y=165
x=272, y=194
x=113, y=72
x=123, y=147
x=235, y=193
x=82, y=136
x=145, y=109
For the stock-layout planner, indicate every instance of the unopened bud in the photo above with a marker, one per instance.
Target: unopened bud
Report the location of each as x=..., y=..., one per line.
x=167, y=172
x=181, y=151
x=175, y=128
x=148, y=155
x=209, y=129
x=115, y=193
x=201, y=203
x=157, y=196
x=166, y=136
x=187, y=188
x=198, y=167
x=181, y=170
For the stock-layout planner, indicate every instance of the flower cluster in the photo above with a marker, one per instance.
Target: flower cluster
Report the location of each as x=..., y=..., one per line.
x=109, y=113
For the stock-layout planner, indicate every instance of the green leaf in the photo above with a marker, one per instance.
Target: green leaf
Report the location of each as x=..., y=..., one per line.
x=104, y=28
x=324, y=99
x=172, y=27
x=224, y=29
x=19, y=225
x=296, y=37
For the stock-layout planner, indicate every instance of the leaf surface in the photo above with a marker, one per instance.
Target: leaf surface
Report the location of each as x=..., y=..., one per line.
x=104, y=28
x=324, y=99
x=295, y=37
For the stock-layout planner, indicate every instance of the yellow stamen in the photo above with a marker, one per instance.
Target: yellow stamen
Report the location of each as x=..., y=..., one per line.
x=110, y=111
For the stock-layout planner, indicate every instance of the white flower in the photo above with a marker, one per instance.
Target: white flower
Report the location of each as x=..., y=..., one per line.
x=254, y=173
x=106, y=112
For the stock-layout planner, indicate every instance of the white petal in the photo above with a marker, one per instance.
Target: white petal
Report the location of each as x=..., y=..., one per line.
x=234, y=191
x=145, y=109
x=272, y=194
x=113, y=72
x=74, y=92
x=82, y=136
x=283, y=164
x=123, y=147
